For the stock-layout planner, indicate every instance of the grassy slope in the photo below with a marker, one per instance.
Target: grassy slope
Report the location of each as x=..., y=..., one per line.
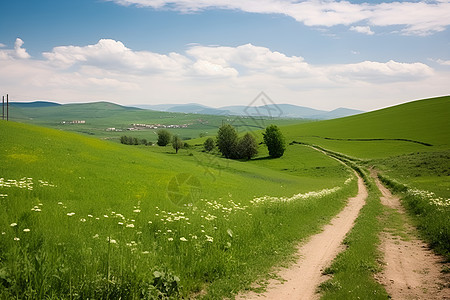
x=102, y=115
x=425, y=121
x=97, y=178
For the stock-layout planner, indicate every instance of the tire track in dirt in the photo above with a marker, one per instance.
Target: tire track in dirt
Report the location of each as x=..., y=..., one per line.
x=303, y=278
x=411, y=270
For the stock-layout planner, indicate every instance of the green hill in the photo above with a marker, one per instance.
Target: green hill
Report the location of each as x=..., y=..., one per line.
x=81, y=216
x=391, y=131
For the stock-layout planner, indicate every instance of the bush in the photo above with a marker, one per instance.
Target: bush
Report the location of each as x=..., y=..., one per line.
x=209, y=144
x=164, y=137
x=274, y=140
x=247, y=147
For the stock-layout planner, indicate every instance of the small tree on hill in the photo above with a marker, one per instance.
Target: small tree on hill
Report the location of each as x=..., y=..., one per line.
x=163, y=137
x=274, y=140
x=177, y=143
x=227, y=139
x=247, y=146
x=209, y=144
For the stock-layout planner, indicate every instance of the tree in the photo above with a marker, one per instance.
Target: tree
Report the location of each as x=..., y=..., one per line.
x=247, y=147
x=163, y=137
x=227, y=139
x=209, y=144
x=274, y=140
x=177, y=143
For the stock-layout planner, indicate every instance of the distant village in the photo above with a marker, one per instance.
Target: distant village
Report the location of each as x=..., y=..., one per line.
x=150, y=126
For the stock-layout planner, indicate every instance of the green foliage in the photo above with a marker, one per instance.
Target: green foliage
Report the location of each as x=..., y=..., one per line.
x=209, y=144
x=227, y=140
x=128, y=140
x=177, y=143
x=274, y=140
x=164, y=137
x=247, y=147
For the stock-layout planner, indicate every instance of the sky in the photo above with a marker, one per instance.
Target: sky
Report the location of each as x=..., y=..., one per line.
x=322, y=54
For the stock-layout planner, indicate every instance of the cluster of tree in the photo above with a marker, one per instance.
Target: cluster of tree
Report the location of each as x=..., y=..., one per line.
x=246, y=147
x=165, y=138
x=129, y=140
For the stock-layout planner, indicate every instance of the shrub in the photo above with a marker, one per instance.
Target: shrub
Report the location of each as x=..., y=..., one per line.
x=274, y=140
x=163, y=137
x=209, y=144
x=247, y=147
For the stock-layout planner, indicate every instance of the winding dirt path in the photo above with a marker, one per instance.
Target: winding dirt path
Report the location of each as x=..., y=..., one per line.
x=303, y=278
x=411, y=270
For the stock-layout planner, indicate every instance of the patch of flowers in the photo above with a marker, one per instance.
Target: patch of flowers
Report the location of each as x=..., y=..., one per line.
x=430, y=197
x=23, y=183
x=314, y=194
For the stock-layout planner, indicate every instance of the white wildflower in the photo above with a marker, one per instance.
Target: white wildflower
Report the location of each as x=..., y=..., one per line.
x=70, y=214
x=170, y=239
x=209, y=238
x=130, y=225
x=183, y=239
x=13, y=224
x=17, y=239
x=26, y=230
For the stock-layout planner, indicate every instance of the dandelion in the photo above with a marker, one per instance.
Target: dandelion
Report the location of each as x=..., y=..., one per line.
x=230, y=232
x=145, y=252
x=26, y=230
x=60, y=203
x=70, y=214
x=111, y=241
x=150, y=222
x=13, y=224
x=194, y=237
x=16, y=239
x=3, y=233
x=95, y=236
x=120, y=223
x=137, y=211
x=90, y=216
x=130, y=225
x=169, y=230
x=170, y=239
x=209, y=238
x=183, y=239
x=106, y=216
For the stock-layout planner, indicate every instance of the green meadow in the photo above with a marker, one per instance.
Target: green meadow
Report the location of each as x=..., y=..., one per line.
x=81, y=217
x=86, y=218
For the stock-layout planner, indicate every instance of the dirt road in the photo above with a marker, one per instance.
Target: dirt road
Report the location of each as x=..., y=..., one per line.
x=411, y=270
x=303, y=278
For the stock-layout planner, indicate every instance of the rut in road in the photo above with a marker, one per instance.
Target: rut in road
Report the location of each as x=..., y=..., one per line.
x=303, y=278
x=411, y=270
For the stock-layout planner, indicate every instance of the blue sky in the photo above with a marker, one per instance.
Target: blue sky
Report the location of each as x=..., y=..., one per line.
x=322, y=54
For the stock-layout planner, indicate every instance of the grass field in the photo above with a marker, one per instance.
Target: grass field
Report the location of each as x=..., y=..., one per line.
x=81, y=217
x=86, y=218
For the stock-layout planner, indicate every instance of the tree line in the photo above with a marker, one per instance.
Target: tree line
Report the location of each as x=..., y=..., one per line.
x=231, y=146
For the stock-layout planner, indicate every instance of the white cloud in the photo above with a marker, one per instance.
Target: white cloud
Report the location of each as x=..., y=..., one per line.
x=417, y=18
x=362, y=29
x=443, y=62
x=214, y=75
x=18, y=51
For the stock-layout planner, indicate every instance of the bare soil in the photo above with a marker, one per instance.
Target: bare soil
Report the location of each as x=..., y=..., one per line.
x=411, y=270
x=300, y=281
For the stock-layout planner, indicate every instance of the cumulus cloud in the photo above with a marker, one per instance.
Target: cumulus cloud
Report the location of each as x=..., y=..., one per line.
x=108, y=70
x=111, y=54
x=417, y=18
x=18, y=51
x=362, y=29
x=443, y=62
x=370, y=71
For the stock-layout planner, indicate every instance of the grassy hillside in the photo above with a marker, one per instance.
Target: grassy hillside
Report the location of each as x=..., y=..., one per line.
x=425, y=121
x=100, y=116
x=85, y=218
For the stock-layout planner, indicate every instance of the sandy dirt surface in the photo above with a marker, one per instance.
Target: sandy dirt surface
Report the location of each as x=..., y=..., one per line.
x=303, y=278
x=411, y=270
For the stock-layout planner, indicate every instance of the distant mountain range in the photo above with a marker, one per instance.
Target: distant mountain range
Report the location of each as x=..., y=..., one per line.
x=272, y=110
